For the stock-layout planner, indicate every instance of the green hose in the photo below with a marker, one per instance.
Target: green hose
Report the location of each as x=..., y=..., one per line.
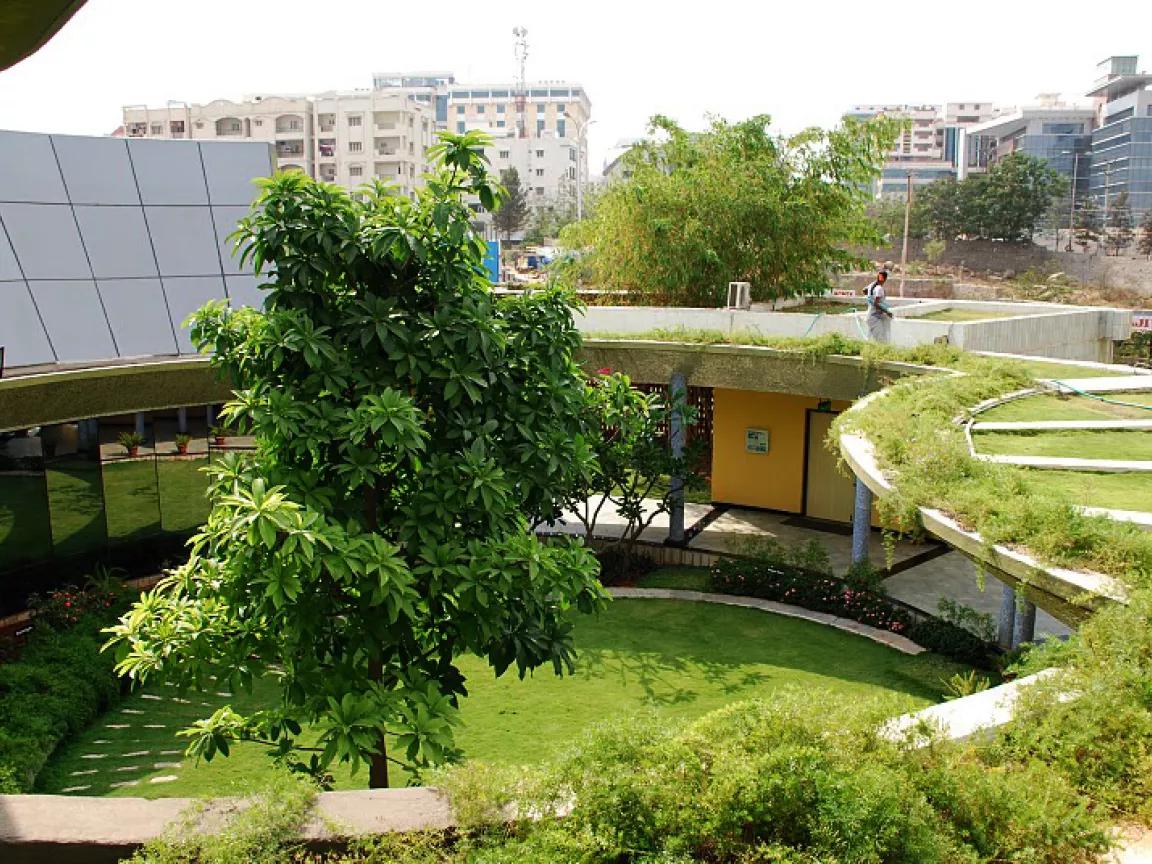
x=1100, y=398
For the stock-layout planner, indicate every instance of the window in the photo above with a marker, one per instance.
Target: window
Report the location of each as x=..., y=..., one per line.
x=572, y=154
x=479, y=109
x=571, y=173
x=157, y=128
x=539, y=190
x=499, y=94
x=199, y=124
x=355, y=120
x=539, y=172
x=460, y=109
x=504, y=154
x=541, y=108
x=539, y=154
x=560, y=108
x=561, y=129
x=500, y=124
x=355, y=146
x=460, y=127
x=355, y=170
x=539, y=127
x=500, y=109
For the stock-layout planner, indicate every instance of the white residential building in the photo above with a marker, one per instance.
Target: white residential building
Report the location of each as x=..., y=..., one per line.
x=350, y=138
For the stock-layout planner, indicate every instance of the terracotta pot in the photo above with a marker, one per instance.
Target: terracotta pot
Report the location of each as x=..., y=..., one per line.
x=182, y=449
x=133, y=452
x=219, y=440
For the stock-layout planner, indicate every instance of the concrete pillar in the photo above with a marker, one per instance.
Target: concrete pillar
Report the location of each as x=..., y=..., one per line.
x=861, y=522
x=677, y=396
x=1007, y=619
x=182, y=421
x=1025, y=629
x=141, y=424
x=210, y=415
x=83, y=436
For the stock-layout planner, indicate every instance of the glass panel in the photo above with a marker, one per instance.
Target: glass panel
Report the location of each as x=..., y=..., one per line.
x=25, y=535
x=75, y=491
x=130, y=487
x=182, y=481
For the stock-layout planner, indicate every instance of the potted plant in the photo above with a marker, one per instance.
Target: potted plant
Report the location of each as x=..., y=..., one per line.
x=182, y=442
x=131, y=442
x=219, y=435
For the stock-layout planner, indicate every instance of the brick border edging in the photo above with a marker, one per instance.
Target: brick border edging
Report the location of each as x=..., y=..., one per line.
x=892, y=640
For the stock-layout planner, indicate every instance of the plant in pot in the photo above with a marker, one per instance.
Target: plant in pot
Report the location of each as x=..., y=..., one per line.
x=131, y=442
x=219, y=435
x=182, y=442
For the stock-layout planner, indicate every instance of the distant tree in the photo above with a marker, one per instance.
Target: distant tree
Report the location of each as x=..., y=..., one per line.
x=549, y=219
x=1144, y=244
x=1119, y=233
x=887, y=215
x=941, y=206
x=513, y=213
x=735, y=202
x=1087, y=224
x=1012, y=197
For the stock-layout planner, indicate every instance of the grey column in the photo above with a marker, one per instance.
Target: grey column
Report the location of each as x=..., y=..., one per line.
x=1025, y=629
x=141, y=423
x=210, y=416
x=1007, y=619
x=677, y=394
x=182, y=420
x=861, y=522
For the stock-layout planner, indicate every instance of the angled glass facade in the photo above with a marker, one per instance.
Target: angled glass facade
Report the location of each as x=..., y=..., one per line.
x=1122, y=162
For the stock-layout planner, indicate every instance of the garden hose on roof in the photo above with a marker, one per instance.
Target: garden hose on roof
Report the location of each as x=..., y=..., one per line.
x=1100, y=398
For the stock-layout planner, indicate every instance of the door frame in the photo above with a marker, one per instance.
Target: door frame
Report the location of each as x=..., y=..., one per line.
x=808, y=412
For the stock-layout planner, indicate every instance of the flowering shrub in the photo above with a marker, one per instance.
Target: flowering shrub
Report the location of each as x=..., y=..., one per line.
x=63, y=608
x=776, y=578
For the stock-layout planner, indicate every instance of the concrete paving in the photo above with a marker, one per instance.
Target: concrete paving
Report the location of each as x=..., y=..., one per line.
x=954, y=576
x=737, y=528
x=611, y=525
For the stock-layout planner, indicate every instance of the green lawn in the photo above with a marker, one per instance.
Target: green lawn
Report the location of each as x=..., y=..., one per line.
x=679, y=659
x=1095, y=489
x=816, y=307
x=183, y=488
x=683, y=578
x=1049, y=369
x=960, y=315
x=1075, y=443
x=25, y=534
x=1070, y=408
x=76, y=505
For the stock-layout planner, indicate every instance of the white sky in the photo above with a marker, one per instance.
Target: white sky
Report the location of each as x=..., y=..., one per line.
x=801, y=62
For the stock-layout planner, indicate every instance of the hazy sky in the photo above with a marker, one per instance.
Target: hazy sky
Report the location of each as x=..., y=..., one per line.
x=801, y=62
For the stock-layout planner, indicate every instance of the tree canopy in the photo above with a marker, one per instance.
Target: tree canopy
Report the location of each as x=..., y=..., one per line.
x=409, y=430
x=733, y=203
x=1006, y=203
x=513, y=212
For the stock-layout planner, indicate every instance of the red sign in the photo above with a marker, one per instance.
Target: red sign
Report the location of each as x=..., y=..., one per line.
x=843, y=292
x=1142, y=321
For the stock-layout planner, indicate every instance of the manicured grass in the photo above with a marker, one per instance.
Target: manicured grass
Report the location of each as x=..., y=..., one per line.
x=183, y=487
x=1048, y=369
x=818, y=308
x=1075, y=443
x=960, y=315
x=683, y=578
x=76, y=505
x=1070, y=408
x=678, y=659
x=1095, y=489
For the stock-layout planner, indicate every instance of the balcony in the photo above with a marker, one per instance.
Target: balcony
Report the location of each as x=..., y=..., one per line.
x=289, y=150
x=229, y=127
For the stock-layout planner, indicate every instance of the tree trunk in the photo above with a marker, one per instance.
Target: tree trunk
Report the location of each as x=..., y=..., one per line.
x=378, y=763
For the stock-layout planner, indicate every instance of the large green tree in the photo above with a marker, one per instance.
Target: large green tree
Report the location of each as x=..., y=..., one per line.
x=513, y=212
x=1144, y=241
x=733, y=203
x=1119, y=235
x=409, y=430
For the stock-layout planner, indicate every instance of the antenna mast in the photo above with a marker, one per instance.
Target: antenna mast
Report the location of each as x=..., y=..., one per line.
x=520, y=50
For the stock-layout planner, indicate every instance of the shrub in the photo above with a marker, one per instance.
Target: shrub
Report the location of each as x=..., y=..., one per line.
x=60, y=683
x=617, y=566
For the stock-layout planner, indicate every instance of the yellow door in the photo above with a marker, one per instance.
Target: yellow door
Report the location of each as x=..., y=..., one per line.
x=828, y=493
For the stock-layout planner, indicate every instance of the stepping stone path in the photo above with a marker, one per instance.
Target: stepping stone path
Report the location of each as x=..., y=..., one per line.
x=163, y=778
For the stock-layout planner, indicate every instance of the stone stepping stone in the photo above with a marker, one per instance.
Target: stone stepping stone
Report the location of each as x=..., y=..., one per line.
x=155, y=726
x=123, y=769
x=131, y=711
x=151, y=697
x=206, y=704
x=101, y=741
x=136, y=753
x=171, y=752
x=94, y=756
x=118, y=726
x=165, y=778
x=168, y=765
x=181, y=701
x=224, y=695
x=124, y=783
x=83, y=773
x=75, y=788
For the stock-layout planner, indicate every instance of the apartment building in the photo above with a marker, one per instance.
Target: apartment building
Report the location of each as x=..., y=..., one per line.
x=352, y=137
x=933, y=146
x=346, y=138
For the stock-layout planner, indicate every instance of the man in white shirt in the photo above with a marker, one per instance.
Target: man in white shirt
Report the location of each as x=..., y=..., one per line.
x=879, y=315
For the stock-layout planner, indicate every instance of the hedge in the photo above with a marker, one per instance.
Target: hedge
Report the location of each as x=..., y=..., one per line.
x=60, y=684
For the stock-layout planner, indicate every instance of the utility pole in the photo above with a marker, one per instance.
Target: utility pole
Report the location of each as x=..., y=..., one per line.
x=907, y=218
x=520, y=50
x=1072, y=210
x=581, y=161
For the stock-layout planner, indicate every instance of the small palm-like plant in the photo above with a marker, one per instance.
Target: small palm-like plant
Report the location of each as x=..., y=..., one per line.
x=131, y=442
x=182, y=442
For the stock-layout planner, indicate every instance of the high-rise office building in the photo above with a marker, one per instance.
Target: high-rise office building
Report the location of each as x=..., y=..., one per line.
x=1121, y=158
